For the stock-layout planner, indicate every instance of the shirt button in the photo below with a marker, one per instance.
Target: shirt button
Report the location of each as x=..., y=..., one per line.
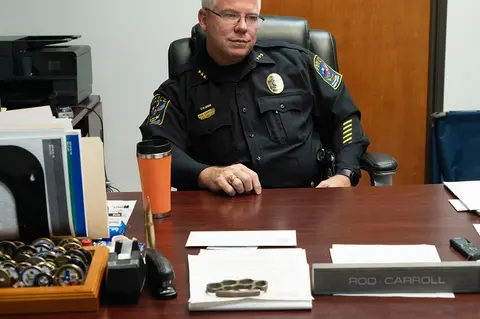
x=244, y=110
x=258, y=158
x=282, y=106
x=251, y=135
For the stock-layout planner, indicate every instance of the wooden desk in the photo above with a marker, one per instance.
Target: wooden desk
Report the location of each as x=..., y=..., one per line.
x=376, y=215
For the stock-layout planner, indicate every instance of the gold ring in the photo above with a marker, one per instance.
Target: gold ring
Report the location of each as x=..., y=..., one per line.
x=231, y=178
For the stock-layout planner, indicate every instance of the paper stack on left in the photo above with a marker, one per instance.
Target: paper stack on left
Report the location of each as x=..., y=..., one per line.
x=45, y=162
x=283, y=272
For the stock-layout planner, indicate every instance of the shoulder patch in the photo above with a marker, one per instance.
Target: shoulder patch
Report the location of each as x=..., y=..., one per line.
x=158, y=107
x=329, y=75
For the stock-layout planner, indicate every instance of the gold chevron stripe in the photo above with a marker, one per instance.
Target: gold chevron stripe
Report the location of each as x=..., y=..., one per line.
x=349, y=130
x=348, y=140
x=347, y=135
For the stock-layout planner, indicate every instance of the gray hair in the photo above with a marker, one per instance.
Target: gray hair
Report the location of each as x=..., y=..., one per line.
x=210, y=4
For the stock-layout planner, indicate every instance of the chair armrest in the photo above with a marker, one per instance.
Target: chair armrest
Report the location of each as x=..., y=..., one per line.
x=378, y=163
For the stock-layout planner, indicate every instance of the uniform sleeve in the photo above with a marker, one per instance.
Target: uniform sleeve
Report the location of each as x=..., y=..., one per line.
x=337, y=117
x=166, y=119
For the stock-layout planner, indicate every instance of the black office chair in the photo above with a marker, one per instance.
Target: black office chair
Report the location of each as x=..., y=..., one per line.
x=294, y=30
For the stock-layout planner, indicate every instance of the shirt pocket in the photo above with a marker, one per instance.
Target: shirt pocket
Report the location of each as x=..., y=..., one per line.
x=287, y=117
x=212, y=139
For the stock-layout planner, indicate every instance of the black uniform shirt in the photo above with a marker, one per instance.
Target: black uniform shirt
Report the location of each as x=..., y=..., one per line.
x=272, y=113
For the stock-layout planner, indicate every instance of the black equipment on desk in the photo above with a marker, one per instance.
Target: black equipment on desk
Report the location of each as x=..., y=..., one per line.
x=160, y=275
x=34, y=72
x=125, y=277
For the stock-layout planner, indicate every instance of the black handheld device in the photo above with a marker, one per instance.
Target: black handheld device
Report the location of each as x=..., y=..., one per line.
x=466, y=248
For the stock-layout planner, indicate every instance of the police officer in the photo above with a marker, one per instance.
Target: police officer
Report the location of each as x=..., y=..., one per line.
x=243, y=115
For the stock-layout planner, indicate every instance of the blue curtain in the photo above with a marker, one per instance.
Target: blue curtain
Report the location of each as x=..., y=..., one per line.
x=456, y=146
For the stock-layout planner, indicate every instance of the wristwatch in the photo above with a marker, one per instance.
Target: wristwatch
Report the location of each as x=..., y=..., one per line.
x=354, y=178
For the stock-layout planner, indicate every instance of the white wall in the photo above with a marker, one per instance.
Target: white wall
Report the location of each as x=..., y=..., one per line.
x=462, y=64
x=129, y=40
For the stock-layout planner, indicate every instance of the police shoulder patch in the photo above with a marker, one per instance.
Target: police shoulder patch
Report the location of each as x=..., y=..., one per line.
x=158, y=107
x=329, y=75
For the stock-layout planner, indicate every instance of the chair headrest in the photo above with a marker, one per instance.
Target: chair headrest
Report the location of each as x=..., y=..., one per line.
x=290, y=29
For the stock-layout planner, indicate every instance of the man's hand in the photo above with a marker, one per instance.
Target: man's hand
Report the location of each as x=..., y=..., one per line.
x=336, y=181
x=234, y=179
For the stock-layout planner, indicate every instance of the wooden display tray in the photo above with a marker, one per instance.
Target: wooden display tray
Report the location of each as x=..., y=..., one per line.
x=59, y=299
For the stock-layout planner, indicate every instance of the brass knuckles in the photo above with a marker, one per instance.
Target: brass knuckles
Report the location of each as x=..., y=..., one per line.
x=237, y=288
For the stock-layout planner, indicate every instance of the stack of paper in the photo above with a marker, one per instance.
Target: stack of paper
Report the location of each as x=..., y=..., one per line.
x=250, y=238
x=388, y=254
x=285, y=270
x=73, y=173
x=467, y=193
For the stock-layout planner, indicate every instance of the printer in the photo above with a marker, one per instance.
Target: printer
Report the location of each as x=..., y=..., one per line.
x=36, y=71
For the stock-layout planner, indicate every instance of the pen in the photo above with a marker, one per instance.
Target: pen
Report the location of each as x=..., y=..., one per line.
x=149, y=228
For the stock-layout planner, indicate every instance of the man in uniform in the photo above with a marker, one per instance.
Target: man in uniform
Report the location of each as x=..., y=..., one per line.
x=243, y=115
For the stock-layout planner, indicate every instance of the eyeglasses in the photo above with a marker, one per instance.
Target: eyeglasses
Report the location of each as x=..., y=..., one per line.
x=234, y=17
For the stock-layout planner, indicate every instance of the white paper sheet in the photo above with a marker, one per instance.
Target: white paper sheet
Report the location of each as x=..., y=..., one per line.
x=21, y=117
x=467, y=192
x=270, y=238
x=477, y=228
x=230, y=248
x=458, y=205
x=119, y=211
x=285, y=270
x=388, y=254
x=296, y=255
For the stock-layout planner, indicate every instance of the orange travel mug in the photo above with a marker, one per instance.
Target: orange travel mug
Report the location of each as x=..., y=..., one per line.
x=154, y=159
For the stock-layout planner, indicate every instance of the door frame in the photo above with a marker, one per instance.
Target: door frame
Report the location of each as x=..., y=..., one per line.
x=436, y=73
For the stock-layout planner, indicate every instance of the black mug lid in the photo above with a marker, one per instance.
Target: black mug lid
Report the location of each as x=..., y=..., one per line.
x=155, y=146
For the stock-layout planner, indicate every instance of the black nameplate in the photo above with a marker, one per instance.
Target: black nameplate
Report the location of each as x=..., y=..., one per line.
x=456, y=277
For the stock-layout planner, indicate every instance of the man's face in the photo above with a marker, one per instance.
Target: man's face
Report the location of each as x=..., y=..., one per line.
x=230, y=36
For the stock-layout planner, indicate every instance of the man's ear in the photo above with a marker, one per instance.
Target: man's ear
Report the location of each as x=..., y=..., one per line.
x=202, y=19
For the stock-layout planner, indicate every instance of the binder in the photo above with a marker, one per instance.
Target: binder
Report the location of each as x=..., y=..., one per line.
x=73, y=172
